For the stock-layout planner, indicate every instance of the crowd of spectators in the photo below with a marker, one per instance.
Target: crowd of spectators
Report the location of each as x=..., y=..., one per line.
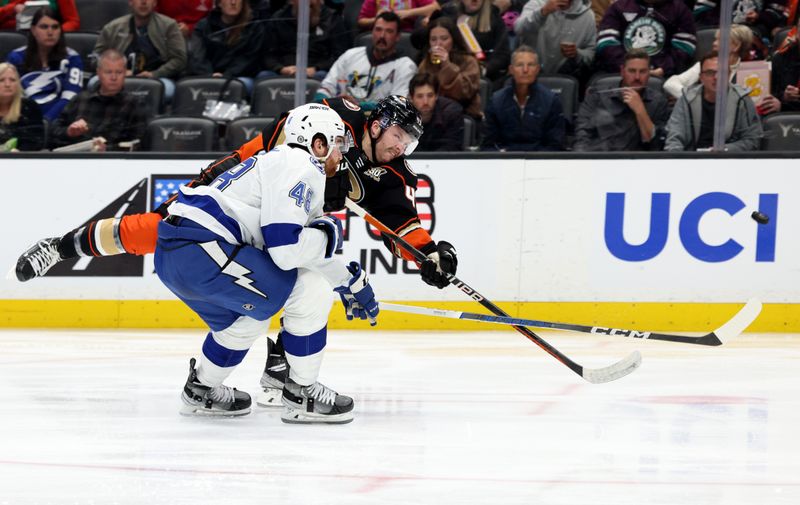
x=474, y=68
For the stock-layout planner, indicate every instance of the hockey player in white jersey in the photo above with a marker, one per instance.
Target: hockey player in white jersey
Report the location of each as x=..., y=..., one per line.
x=255, y=241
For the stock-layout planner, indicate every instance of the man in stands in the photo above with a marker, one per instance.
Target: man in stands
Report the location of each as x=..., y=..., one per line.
x=442, y=118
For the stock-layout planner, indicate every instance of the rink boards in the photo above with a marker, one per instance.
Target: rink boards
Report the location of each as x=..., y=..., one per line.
x=656, y=243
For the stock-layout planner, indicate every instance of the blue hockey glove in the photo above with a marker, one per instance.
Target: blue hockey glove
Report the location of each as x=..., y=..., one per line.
x=439, y=264
x=333, y=229
x=357, y=295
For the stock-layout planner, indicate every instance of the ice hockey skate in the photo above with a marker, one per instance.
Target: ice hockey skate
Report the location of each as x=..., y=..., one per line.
x=37, y=260
x=272, y=380
x=316, y=403
x=201, y=400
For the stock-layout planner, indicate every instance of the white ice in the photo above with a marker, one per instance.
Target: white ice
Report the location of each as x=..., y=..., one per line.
x=91, y=417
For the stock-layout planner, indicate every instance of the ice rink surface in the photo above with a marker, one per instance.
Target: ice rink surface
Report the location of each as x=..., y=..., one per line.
x=91, y=417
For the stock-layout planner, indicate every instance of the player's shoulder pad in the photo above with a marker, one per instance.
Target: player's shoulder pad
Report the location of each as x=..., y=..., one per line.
x=272, y=134
x=349, y=112
x=401, y=167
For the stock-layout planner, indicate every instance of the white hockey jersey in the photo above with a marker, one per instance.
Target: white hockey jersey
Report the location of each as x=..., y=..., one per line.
x=266, y=202
x=354, y=73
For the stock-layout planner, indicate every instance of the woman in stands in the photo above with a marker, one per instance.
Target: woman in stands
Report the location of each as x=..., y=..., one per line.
x=226, y=43
x=52, y=73
x=21, y=127
x=446, y=56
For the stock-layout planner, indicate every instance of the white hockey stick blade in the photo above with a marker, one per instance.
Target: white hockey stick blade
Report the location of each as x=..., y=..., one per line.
x=738, y=323
x=613, y=372
x=12, y=274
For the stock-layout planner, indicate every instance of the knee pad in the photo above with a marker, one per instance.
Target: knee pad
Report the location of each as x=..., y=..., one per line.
x=309, y=304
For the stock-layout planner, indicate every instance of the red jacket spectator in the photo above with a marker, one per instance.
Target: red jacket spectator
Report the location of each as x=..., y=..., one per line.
x=186, y=12
x=70, y=21
x=408, y=10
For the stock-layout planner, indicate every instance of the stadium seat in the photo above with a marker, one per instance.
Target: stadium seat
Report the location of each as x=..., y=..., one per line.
x=181, y=134
x=10, y=40
x=705, y=39
x=485, y=91
x=243, y=129
x=566, y=87
x=95, y=14
x=191, y=94
x=83, y=43
x=271, y=97
x=470, y=133
x=781, y=132
x=149, y=91
x=404, y=46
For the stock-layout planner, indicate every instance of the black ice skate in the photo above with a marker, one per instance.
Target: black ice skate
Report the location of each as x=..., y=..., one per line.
x=220, y=400
x=275, y=372
x=315, y=404
x=37, y=260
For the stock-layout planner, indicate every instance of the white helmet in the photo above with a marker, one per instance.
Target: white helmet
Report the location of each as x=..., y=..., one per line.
x=307, y=121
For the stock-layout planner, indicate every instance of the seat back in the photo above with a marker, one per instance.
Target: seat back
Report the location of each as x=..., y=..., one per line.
x=83, y=43
x=149, y=91
x=566, y=87
x=271, y=97
x=705, y=40
x=243, y=129
x=95, y=14
x=470, y=133
x=191, y=94
x=181, y=134
x=10, y=40
x=781, y=132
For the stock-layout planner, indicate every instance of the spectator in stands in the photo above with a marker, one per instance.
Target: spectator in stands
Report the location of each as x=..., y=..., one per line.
x=763, y=18
x=407, y=10
x=21, y=126
x=664, y=28
x=185, y=12
x=741, y=40
x=327, y=40
x=691, y=125
x=109, y=112
x=785, y=79
x=524, y=116
x=624, y=115
x=152, y=43
x=442, y=118
x=52, y=73
x=226, y=44
x=563, y=32
x=65, y=10
x=365, y=75
x=446, y=56
x=486, y=23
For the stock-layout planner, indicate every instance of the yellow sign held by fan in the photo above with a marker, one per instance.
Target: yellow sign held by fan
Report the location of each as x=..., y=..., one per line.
x=469, y=38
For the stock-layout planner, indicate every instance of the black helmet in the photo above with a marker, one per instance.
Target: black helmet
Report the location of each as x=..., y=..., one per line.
x=398, y=110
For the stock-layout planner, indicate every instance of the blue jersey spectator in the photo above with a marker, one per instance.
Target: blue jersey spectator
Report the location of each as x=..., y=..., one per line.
x=52, y=73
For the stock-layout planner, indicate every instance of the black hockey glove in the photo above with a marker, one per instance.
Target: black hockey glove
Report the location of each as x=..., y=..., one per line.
x=438, y=264
x=336, y=191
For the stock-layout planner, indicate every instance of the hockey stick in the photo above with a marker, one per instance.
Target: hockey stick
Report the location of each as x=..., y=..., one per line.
x=594, y=375
x=725, y=333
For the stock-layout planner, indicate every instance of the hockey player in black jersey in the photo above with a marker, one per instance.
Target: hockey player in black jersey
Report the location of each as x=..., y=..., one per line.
x=374, y=174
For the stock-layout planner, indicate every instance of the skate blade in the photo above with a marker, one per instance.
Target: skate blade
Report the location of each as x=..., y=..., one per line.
x=270, y=398
x=292, y=416
x=193, y=410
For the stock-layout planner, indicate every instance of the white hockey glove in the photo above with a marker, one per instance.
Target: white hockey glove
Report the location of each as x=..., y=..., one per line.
x=333, y=229
x=440, y=265
x=357, y=296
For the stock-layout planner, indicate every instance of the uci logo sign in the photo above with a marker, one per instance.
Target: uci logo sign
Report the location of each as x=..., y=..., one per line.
x=688, y=228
